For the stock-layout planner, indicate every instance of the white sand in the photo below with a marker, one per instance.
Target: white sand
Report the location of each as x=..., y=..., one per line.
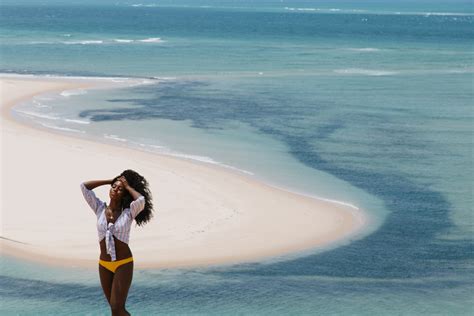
x=204, y=215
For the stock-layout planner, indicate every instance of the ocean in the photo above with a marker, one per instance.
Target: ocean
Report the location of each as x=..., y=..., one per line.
x=368, y=103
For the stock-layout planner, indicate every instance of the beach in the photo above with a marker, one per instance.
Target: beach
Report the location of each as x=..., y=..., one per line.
x=204, y=214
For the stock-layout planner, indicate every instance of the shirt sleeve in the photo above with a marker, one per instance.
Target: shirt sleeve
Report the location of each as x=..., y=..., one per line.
x=91, y=199
x=137, y=206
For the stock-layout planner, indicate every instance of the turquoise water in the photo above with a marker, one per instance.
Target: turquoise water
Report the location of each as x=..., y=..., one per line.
x=366, y=103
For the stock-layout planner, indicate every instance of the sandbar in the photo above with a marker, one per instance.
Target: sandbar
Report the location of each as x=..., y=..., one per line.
x=204, y=214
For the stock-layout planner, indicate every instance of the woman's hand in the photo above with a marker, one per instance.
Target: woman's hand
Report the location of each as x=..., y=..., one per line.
x=124, y=182
x=135, y=195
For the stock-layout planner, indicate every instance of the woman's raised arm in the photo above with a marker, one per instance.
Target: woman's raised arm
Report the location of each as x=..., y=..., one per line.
x=90, y=185
x=89, y=195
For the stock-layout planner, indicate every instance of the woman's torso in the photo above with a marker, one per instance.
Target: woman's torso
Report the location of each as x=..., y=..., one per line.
x=122, y=250
x=122, y=223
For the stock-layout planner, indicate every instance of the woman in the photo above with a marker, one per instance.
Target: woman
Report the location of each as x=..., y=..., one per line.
x=130, y=199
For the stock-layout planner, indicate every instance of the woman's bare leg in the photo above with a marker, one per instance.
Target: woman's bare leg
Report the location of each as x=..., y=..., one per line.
x=106, y=279
x=120, y=286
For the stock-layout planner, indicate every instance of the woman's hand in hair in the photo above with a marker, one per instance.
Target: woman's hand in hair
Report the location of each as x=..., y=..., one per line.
x=124, y=182
x=135, y=195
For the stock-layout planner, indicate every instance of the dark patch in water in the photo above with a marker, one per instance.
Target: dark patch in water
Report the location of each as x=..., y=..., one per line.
x=406, y=246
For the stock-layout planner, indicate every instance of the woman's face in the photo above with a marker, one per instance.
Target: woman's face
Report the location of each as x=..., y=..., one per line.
x=116, y=190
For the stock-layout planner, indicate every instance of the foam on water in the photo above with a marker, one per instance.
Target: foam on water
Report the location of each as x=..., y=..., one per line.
x=141, y=5
x=126, y=81
x=366, y=72
x=84, y=42
x=115, y=137
x=365, y=49
x=438, y=13
x=68, y=93
x=77, y=121
x=40, y=105
x=151, y=40
x=205, y=159
x=101, y=41
x=123, y=40
x=377, y=12
x=64, y=129
x=39, y=115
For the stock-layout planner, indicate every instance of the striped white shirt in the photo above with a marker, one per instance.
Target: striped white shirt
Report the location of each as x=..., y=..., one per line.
x=121, y=228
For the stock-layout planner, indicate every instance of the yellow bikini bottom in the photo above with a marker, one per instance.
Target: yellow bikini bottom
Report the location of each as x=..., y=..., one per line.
x=113, y=265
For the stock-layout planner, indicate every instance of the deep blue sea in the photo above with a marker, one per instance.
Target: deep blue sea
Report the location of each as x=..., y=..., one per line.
x=365, y=102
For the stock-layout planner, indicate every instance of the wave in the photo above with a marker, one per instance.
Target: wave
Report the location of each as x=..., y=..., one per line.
x=151, y=40
x=41, y=42
x=101, y=42
x=62, y=128
x=194, y=157
x=206, y=159
x=366, y=72
x=237, y=169
x=118, y=40
x=166, y=151
x=438, y=13
x=302, y=9
x=328, y=10
x=50, y=117
x=145, y=40
x=114, y=137
x=362, y=11
x=409, y=72
x=68, y=93
x=152, y=146
x=441, y=71
x=164, y=78
x=77, y=121
x=364, y=49
x=319, y=9
x=467, y=70
x=113, y=81
x=137, y=5
x=35, y=114
x=38, y=104
x=86, y=42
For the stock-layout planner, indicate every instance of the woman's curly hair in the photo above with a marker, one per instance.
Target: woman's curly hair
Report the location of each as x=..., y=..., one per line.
x=140, y=185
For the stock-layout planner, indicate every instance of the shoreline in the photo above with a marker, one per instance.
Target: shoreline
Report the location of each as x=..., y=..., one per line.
x=204, y=214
